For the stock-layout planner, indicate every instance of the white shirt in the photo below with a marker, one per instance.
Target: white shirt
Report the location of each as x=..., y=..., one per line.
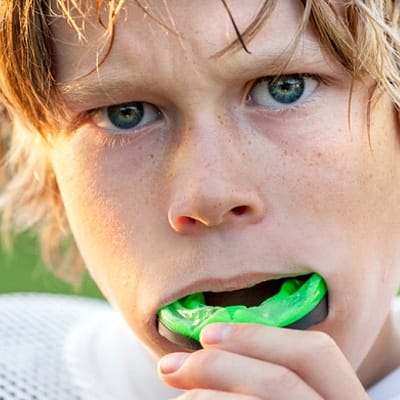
x=56, y=347
x=107, y=361
x=388, y=388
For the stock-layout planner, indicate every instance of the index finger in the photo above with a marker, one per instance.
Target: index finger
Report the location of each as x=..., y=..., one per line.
x=313, y=356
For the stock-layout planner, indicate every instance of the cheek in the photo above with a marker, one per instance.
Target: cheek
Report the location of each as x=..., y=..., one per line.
x=120, y=225
x=106, y=199
x=349, y=171
x=339, y=208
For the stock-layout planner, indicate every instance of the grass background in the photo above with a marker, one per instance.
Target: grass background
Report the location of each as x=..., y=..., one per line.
x=22, y=270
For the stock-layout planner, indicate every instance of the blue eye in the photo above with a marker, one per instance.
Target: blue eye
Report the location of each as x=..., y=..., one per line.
x=282, y=90
x=125, y=116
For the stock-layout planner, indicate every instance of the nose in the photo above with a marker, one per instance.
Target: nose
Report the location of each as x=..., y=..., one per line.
x=202, y=209
x=213, y=187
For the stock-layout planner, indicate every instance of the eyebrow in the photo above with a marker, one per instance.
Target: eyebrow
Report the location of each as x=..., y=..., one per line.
x=95, y=89
x=100, y=90
x=276, y=59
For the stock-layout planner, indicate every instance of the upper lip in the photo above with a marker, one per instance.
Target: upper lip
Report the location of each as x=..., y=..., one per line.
x=228, y=284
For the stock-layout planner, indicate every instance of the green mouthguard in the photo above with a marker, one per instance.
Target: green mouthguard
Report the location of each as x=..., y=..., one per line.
x=295, y=300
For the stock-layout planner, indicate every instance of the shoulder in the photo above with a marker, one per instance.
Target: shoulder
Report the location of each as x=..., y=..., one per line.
x=71, y=348
x=389, y=387
x=33, y=332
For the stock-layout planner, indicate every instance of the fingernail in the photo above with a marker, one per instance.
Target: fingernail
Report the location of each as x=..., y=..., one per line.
x=215, y=333
x=172, y=362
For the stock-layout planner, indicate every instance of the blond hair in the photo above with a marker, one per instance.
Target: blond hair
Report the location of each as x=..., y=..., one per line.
x=363, y=36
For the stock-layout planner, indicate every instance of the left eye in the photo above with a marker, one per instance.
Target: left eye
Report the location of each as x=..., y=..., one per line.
x=283, y=90
x=125, y=116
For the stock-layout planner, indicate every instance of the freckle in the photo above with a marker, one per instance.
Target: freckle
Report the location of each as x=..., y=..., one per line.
x=151, y=155
x=220, y=119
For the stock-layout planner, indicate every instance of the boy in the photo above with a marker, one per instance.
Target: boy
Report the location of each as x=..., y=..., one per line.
x=186, y=160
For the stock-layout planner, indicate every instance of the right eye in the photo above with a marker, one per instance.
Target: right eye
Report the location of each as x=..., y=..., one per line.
x=125, y=116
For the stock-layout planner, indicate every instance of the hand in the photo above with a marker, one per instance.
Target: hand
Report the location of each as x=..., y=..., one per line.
x=254, y=362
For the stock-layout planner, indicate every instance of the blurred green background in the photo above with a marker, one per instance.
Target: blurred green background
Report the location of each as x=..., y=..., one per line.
x=23, y=271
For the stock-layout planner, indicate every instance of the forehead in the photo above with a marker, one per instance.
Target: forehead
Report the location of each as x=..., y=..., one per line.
x=165, y=30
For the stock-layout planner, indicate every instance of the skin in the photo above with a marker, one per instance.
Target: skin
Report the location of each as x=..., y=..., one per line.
x=219, y=193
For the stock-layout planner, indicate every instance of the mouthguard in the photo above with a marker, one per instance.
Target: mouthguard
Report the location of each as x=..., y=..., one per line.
x=299, y=304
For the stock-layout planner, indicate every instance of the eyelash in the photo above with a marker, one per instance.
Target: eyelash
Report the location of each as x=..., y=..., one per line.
x=107, y=139
x=296, y=107
x=123, y=138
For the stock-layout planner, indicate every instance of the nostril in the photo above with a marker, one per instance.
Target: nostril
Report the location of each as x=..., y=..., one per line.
x=191, y=215
x=240, y=210
x=183, y=220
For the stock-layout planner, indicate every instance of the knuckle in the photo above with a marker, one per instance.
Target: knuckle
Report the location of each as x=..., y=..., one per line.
x=283, y=380
x=206, y=357
x=241, y=331
x=278, y=382
x=283, y=377
x=206, y=362
x=322, y=342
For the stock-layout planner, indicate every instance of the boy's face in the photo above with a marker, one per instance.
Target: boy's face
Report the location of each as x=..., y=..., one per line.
x=217, y=179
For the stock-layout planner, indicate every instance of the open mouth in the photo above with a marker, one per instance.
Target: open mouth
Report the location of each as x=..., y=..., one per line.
x=297, y=302
x=249, y=297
